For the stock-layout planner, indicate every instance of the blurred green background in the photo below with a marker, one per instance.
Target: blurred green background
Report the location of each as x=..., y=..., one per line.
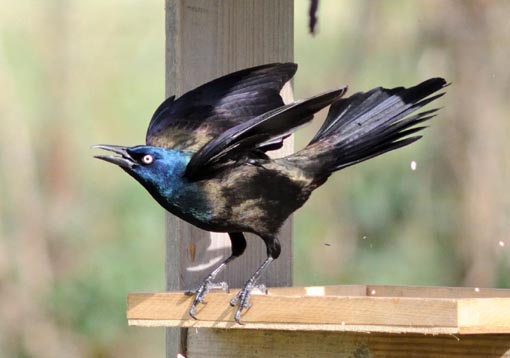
x=73, y=243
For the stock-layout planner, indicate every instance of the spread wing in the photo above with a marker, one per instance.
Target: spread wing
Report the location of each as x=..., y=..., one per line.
x=245, y=139
x=197, y=117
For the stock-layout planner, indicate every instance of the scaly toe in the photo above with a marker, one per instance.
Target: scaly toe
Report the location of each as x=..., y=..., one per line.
x=201, y=292
x=262, y=288
x=218, y=286
x=237, y=316
x=192, y=313
x=242, y=300
x=239, y=297
x=233, y=301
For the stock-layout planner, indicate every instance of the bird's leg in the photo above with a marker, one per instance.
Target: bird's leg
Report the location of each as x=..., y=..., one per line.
x=243, y=297
x=238, y=245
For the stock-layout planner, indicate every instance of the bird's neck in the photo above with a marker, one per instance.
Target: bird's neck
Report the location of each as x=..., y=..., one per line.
x=175, y=192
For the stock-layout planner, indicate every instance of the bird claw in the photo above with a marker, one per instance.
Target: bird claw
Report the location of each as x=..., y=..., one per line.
x=242, y=298
x=202, y=291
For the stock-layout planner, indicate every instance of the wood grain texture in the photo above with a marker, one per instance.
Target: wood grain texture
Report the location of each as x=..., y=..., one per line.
x=206, y=39
x=212, y=343
x=350, y=308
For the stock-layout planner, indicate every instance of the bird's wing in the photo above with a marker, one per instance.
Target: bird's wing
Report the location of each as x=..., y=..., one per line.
x=257, y=133
x=192, y=120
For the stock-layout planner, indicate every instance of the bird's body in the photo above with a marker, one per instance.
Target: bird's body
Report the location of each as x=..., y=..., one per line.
x=205, y=158
x=248, y=197
x=274, y=190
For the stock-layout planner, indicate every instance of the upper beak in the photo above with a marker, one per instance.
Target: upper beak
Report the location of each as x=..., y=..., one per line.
x=123, y=161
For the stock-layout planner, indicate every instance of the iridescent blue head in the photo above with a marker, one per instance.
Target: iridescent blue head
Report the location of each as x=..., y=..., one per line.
x=161, y=172
x=148, y=165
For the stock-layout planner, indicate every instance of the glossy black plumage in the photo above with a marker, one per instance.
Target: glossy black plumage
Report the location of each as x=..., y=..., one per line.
x=205, y=156
x=207, y=111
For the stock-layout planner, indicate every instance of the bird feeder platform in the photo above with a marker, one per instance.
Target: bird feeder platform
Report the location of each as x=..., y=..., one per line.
x=371, y=321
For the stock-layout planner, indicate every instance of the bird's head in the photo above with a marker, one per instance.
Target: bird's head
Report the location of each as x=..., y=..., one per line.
x=154, y=167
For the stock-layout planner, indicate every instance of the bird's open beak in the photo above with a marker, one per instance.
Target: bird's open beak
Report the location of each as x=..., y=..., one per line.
x=124, y=160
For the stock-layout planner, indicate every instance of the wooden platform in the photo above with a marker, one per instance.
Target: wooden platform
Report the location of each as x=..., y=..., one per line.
x=338, y=321
x=389, y=309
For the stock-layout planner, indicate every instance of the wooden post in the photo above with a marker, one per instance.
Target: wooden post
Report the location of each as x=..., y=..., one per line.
x=206, y=39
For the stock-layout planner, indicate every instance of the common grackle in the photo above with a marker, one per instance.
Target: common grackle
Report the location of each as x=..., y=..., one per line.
x=205, y=159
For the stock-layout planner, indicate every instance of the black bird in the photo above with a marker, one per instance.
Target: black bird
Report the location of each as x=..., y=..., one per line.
x=205, y=159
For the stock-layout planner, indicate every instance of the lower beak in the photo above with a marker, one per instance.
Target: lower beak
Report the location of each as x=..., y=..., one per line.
x=123, y=160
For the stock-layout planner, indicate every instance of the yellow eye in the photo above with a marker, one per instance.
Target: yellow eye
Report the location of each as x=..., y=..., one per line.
x=147, y=159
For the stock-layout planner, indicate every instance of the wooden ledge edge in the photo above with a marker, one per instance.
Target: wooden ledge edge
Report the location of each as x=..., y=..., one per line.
x=337, y=308
x=294, y=327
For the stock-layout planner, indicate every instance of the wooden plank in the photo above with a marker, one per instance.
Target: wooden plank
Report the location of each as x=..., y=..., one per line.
x=392, y=291
x=310, y=313
x=431, y=291
x=484, y=315
x=212, y=343
x=337, y=308
x=206, y=39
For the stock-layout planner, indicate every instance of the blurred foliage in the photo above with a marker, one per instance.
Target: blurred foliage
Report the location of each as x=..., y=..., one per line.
x=76, y=236
x=381, y=222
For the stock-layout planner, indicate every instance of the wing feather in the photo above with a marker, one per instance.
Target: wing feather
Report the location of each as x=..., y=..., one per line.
x=259, y=132
x=192, y=120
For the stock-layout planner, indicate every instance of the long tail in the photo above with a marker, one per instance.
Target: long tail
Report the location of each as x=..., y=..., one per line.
x=366, y=125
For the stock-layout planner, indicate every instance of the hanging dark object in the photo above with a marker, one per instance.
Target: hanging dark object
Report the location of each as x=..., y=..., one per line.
x=312, y=13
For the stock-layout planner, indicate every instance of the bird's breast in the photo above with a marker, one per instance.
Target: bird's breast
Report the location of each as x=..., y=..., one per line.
x=252, y=198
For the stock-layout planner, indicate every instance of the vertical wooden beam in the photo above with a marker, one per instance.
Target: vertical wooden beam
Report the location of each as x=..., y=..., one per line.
x=206, y=39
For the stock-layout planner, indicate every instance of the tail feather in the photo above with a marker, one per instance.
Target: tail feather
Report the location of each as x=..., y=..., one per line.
x=368, y=124
x=380, y=150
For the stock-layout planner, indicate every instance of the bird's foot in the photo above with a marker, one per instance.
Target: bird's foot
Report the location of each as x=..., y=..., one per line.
x=202, y=291
x=242, y=299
